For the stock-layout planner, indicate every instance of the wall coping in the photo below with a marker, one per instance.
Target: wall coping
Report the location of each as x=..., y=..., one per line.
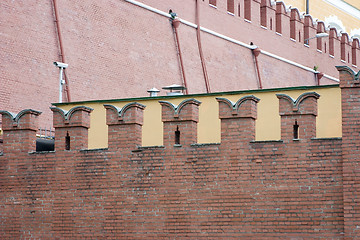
x=196, y=95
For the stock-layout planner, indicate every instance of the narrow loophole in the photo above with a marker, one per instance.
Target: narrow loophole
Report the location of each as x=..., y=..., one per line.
x=296, y=130
x=67, y=141
x=177, y=135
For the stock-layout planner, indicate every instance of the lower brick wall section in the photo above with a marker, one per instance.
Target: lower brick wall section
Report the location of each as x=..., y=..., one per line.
x=266, y=190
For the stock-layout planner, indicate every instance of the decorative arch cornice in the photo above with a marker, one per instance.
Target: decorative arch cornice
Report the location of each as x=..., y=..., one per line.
x=355, y=75
x=334, y=32
x=312, y=21
x=283, y=5
x=320, y=25
x=235, y=106
x=345, y=38
x=267, y=3
x=355, y=33
x=356, y=42
x=296, y=103
x=121, y=111
x=68, y=114
x=178, y=108
x=297, y=15
x=16, y=117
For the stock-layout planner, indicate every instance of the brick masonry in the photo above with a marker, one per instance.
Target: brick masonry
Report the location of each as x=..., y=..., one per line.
x=304, y=188
x=118, y=50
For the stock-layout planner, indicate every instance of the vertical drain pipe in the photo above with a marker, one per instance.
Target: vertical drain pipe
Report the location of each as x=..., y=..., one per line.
x=200, y=48
x=175, y=23
x=256, y=51
x=307, y=7
x=62, y=57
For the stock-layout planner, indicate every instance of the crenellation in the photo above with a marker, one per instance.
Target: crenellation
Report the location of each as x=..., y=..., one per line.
x=77, y=117
x=180, y=122
x=124, y=125
x=268, y=14
x=355, y=51
x=25, y=119
x=289, y=23
x=130, y=113
x=282, y=19
x=251, y=11
x=19, y=130
x=345, y=50
x=309, y=30
x=320, y=43
x=187, y=110
x=298, y=118
x=244, y=107
x=71, y=128
x=237, y=120
x=296, y=25
x=334, y=43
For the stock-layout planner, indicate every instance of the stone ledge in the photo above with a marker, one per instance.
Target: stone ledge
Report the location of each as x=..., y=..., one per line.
x=204, y=144
x=93, y=150
x=267, y=141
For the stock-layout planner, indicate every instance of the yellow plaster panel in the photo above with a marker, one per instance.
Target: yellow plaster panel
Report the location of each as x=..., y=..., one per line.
x=268, y=120
x=354, y=3
x=329, y=122
x=209, y=130
x=267, y=124
x=153, y=127
x=300, y=4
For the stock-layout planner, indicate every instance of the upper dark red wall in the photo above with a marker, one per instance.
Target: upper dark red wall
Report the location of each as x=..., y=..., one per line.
x=117, y=50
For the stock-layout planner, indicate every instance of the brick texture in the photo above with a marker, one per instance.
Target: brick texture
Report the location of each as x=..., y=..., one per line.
x=183, y=119
x=111, y=43
x=301, y=112
x=238, y=189
x=71, y=127
x=124, y=125
x=350, y=91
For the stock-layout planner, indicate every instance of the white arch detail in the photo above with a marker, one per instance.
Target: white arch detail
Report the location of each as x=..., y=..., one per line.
x=334, y=21
x=345, y=7
x=355, y=33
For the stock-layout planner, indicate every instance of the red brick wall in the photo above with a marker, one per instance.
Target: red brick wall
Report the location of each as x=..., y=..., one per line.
x=240, y=188
x=117, y=50
x=350, y=91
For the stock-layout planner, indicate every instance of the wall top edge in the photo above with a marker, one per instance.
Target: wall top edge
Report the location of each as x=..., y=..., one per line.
x=196, y=95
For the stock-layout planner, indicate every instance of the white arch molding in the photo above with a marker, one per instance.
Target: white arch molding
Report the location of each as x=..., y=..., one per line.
x=355, y=33
x=334, y=21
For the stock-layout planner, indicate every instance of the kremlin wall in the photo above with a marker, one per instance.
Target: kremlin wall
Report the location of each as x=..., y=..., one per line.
x=120, y=49
x=264, y=144
x=298, y=187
